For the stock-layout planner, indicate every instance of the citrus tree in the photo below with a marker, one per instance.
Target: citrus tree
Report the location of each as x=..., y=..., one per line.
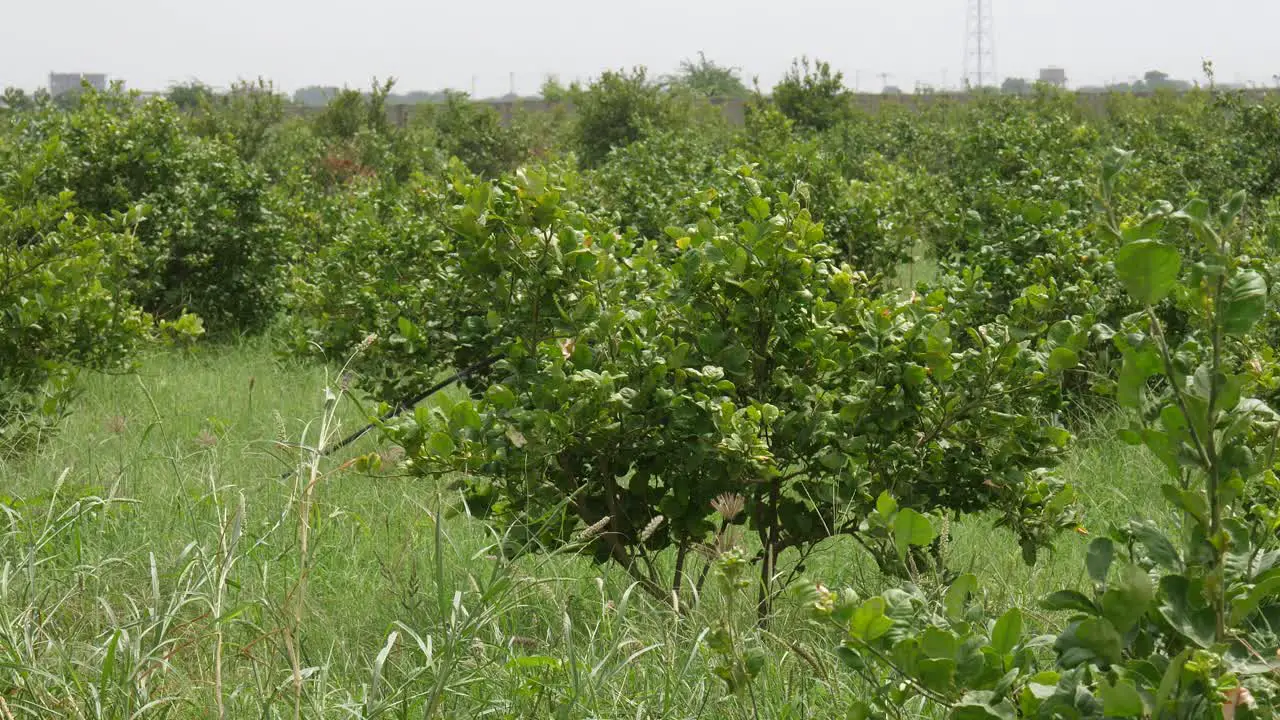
x=633, y=382
x=1178, y=615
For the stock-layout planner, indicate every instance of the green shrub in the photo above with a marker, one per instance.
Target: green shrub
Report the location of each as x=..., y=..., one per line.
x=633, y=384
x=473, y=133
x=351, y=111
x=706, y=78
x=649, y=183
x=62, y=307
x=375, y=270
x=207, y=243
x=616, y=110
x=353, y=138
x=812, y=96
x=244, y=118
x=1171, y=624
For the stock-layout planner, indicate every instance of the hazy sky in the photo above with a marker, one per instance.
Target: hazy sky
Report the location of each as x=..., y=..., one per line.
x=432, y=44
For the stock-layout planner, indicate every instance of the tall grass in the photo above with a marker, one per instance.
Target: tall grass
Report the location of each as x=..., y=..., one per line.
x=156, y=561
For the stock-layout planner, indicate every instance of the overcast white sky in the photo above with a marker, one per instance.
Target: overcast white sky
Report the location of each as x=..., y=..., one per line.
x=431, y=44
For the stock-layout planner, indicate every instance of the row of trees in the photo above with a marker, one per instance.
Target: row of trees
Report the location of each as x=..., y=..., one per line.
x=702, y=77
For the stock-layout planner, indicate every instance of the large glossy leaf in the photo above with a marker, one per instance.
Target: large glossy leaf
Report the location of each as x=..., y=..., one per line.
x=440, y=443
x=1244, y=606
x=1093, y=640
x=1158, y=546
x=1128, y=598
x=958, y=595
x=1063, y=359
x=1244, y=301
x=1007, y=632
x=1121, y=700
x=937, y=674
x=886, y=505
x=869, y=622
x=1185, y=611
x=938, y=643
x=911, y=528
x=1148, y=269
x=1098, y=560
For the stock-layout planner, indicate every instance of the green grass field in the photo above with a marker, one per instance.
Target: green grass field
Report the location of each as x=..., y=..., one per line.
x=155, y=564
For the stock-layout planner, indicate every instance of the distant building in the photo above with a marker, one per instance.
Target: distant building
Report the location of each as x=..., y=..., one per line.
x=62, y=83
x=1054, y=76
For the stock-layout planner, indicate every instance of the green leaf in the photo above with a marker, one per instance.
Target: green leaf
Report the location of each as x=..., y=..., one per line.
x=1231, y=210
x=981, y=705
x=1148, y=269
x=869, y=622
x=1005, y=683
x=1243, y=607
x=464, y=416
x=109, y=662
x=1197, y=211
x=832, y=459
x=1098, y=561
x=1121, y=700
x=937, y=674
x=1158, y=546
x=1127, y=600
x=758, y=208
x=1244, y=302
x=1063, y=359
x=501, y=396
x=886, y=505
x=911, y=528
x=1188, y=501
x=440, y=444
x=1091, y=640
x=914, y=375
x=958, y=594
x=850, y=658
x=1114, y=161
x=1069, y=600
x=970, y=661
x=1132, y=380
x=938, y=643
x=1184, y=609
x=406, y=328
x=1169, y=683
x=1007, y=632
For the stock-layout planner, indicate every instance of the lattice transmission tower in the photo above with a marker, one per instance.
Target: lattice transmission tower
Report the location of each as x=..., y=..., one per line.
x=979, y=45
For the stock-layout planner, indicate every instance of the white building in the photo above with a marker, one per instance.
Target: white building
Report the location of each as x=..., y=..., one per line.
x=62, y=83
x=1054, y=76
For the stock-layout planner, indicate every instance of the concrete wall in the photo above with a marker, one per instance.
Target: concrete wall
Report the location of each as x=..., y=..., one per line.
x=735, y=110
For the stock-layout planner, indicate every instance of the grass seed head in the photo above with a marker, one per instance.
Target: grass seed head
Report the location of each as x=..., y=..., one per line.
x=595, y=528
